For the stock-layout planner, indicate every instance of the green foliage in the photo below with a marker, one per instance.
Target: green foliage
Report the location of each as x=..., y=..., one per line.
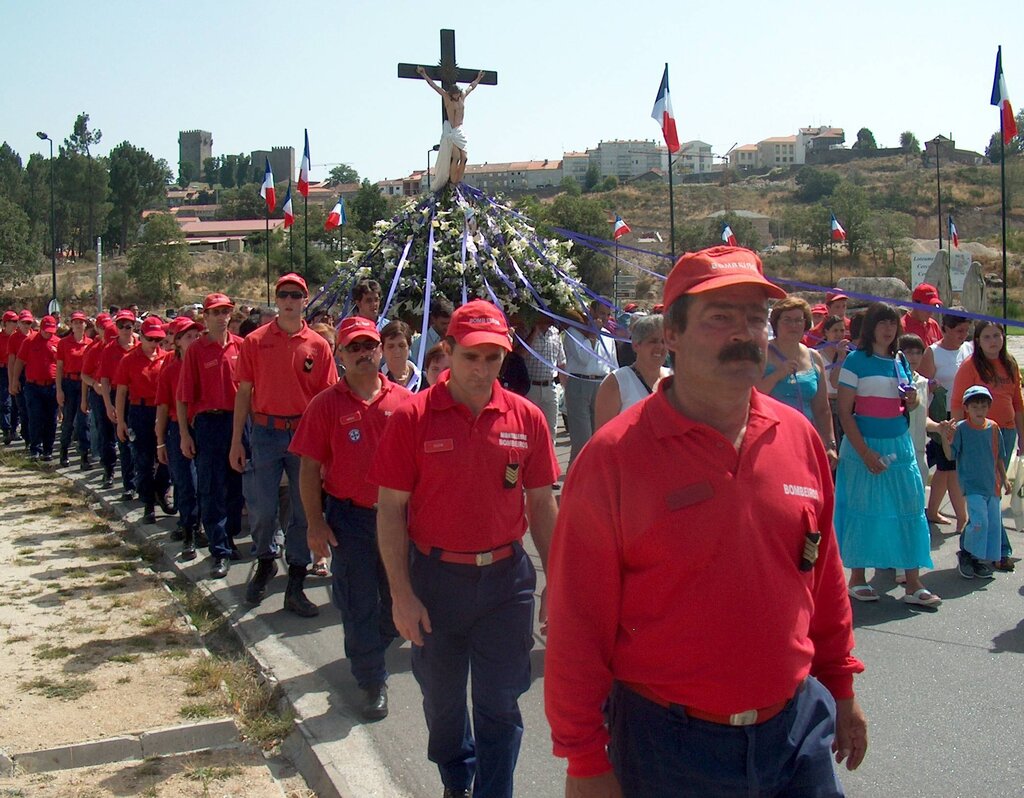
x=865, y=140
x=570, y=185
x=909, y=143
x=592, y=178
x=610, y=183
x=18, y=258
x=744, y=230
x=244, y=202
x=211, y=171
x=137, y=182
x=850, y=205
x=186, y=173
x=890, y=234
x=158, y=259
x=815, y=184
x=367, y=207
x=587, y=216
x=994, y=150
x=342, y=173
x=11, y=173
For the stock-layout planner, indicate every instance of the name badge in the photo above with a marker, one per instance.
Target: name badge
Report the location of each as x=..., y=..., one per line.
x=440, y=445
x=352, y=418
x=691, y=494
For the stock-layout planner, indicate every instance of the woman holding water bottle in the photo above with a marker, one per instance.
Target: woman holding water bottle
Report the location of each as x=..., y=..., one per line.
x=879, y=516
x=795, y=374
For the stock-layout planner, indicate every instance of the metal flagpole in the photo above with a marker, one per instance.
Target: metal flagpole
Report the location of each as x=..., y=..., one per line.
x=1002, y=189
x=671, y=208
x=268, y=253
x=305, y=232
x=99, y=274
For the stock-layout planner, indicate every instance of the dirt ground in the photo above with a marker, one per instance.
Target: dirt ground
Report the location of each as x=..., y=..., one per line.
x=92, y=645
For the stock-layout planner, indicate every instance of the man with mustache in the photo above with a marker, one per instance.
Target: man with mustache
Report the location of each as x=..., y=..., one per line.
x=696, y=585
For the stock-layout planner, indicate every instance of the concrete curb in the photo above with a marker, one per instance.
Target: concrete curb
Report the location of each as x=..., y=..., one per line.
x=169, y=741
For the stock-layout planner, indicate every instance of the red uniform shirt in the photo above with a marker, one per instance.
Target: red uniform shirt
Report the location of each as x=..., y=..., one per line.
x=14, y=344
x=456, y=466
x=139, y=373
x=71, y=354
x=816, y=335
x=675, y=565
x=4, y=337
x=91, y=358
x=40, y=358
x=286, y=371
x=110, y=358
x=341, y=431
x=209, y=378
x=928, y=331
x=167, y=386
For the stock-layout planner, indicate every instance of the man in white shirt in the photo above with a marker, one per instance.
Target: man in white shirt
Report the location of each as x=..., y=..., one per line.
x=589, y=357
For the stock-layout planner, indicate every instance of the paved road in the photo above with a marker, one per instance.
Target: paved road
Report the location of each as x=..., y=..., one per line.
x=941, y=690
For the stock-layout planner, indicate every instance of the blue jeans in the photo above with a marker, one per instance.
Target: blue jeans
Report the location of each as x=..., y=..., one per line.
x=41, y=401
x=183, y=477
x=74, y=422
x=482, y=621
x=5, y=403
x=1008, y=445
x=220, y=486
x=660, y=752
x=19, y=407
x=142, y=437
x=93, y=420
x=108, y=438
x=260, y=482
x=359, y=588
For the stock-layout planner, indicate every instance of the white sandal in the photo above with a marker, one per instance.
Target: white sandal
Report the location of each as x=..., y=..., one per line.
x=924, y=597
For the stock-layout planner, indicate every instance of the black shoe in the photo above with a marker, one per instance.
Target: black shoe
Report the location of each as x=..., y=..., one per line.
x=166, y=505
x=7, y=439
x=376, y=704
x=201, y=540
x=294, y=599
x=451, y=793
x=178, y=533
x=188, y=549
x=108, y=480
x=218, y=568
x=47, y=457
x=85, y=464
x=127, y=496
x=235, y=555
x=64, y=462
x=149, y=516
x=264, y=571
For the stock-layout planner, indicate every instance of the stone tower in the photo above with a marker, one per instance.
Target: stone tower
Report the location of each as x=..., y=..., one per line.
x=194, y=147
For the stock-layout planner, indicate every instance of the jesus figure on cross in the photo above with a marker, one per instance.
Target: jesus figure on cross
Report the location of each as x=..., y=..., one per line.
x=451, y=157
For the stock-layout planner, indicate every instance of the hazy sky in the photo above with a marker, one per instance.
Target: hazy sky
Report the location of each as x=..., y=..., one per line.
x=570, y=74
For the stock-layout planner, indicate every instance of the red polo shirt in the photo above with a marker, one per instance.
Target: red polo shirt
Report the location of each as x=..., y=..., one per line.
x=110, y=358
x=167, y=386
x=675, y=566
x=4, y=337
x=14, y=344
x=209, y=378
x=286, y=371
x=39, y=355
x=341, y=431
x=928, y=331
x=91, y=358
x=138, y=373
x=71, y=354
x=455, y=466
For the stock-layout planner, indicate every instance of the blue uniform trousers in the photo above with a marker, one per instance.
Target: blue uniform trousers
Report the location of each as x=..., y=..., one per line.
x=19, y=407
x=359, y=588
x=5, y=404
x=107, y=436
x=74, y=421
x=41, y=401
x=482, y=623
x=220, y=486
x=150, y=480
x=660, y=752
x=260, y=482
x=183, y=477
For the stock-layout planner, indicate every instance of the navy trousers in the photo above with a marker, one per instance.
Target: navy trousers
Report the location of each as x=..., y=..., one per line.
x=183, y=477
x=269, y=461
x=5, y=404
x=482, y=624
x=664, y=753
x=359, y=589
x=74, y=422
x=19, y=407
x=41, y=401
x=220, y=486
x=150, y=479
x=108, y=440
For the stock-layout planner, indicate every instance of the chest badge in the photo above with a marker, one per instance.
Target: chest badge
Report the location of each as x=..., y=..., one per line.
x=354, y=435
x=307, y=365
x=812, y=542
x=511, y=475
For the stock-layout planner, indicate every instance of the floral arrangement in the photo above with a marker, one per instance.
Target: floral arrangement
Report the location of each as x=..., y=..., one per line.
x=473, y=246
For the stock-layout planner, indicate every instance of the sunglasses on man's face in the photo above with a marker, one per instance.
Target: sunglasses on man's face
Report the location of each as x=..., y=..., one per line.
x=153, y=340
x=361, y=346
x=290, y=295
x=124, y=325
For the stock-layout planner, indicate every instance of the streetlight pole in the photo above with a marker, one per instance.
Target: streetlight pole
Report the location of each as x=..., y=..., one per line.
x=435, y=148
x=54, y=306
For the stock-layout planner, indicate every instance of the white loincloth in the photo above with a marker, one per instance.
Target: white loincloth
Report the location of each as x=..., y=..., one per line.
x=450, y=137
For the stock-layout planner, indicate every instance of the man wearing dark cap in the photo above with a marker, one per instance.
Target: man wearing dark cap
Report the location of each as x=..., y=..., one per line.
x=462, y=468
x=37, y=363
x=700, y=632
x=922, y=322
x=281, y=367
x=337, y=438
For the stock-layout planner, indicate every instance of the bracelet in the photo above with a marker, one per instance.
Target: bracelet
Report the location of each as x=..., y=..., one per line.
x=161, y=446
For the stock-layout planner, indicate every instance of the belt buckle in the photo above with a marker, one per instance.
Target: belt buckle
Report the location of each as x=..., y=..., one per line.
x=746, y=718
x=485, y=558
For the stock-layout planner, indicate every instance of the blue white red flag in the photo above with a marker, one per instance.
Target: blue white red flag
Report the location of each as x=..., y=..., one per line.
x=999, y=97
x=620, y=229
x=662, y=114
x=304, y=168
x=336, y=217
x=289, y=216
x=953, y=234
x=267, y=189
x=838, y=233
x=728, y=236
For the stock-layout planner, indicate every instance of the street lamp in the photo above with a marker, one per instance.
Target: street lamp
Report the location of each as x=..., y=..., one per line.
x=435, y=148
x=54, y=306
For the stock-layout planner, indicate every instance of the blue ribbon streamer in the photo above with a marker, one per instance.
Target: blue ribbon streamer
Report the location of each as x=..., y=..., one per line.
x=398, y=274
x=427, y=288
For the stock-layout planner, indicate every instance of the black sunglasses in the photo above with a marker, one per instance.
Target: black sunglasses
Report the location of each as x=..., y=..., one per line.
x=125, y=325
x=290, y=295
x=361, y=346
x=153, y=340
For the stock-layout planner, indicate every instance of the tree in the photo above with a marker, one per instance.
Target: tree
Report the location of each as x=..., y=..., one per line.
x=571, y=186
x=850, y=205
x=12, y=173
x=592, y=178
x=243, y=202
x=892, y=232
x=93, y=188
x=211, y=170
x=226, y=173
x=587, y=216
x=18, y=258
x=865, y=140
x=815, y=184
x=137, y=181
x=909, y=143
x=243, y=169
x=744, y=230
x=994, y=149
x=610, y=183
x=342, y=173
x=158, y=258
x=368, y=206
x=186, y=173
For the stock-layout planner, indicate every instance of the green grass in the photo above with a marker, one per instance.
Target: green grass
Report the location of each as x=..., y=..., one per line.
x=125, y=658
x=71, y=689
x=200, y=711
x=46, y=651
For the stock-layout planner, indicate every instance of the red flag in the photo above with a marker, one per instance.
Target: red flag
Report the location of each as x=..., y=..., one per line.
x=267, y=189
x=1002, y=99
x=289, y=216
x=304, y=169
x=620, y=229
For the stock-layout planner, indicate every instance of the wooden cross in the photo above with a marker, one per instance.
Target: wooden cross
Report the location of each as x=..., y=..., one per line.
x=447, y=73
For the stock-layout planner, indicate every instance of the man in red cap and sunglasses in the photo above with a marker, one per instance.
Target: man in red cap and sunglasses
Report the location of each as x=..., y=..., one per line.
x=70, y=357
x=700, y=631
x=8, y=409
x=120, y=345
x=463, y=468
x=37, y=363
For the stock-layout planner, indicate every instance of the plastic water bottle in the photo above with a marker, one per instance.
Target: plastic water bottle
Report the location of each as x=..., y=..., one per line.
x=887, y=459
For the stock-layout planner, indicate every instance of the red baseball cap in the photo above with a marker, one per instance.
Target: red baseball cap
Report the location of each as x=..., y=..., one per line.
x=26, y=315
x=716, y=267
x=354, y=327
x=79, y=316
x=153, y=327
x=834, y=296
x=479, y=322
x=217, y=301
x=102, y=318
x=48, y=324
x=630, y=307
x=926, y=294
x=294, y=279
x=10, y=315
x=124, y=315
x=109, y=329
x=181, y=325
x=820, y=308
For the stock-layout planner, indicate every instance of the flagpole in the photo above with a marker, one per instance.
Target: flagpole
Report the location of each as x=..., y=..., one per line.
x=1002, y=191
x=305, y=232
x=671, y=207
x=938, y=188
x=268, y=254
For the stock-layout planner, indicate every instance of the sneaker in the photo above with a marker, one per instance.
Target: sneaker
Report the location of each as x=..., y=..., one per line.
x=983, y=570
x=219, y=568
x=1005, y=565
x=965, y=564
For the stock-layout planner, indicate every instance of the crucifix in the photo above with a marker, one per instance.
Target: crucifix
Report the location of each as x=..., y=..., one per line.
x=451, y=158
